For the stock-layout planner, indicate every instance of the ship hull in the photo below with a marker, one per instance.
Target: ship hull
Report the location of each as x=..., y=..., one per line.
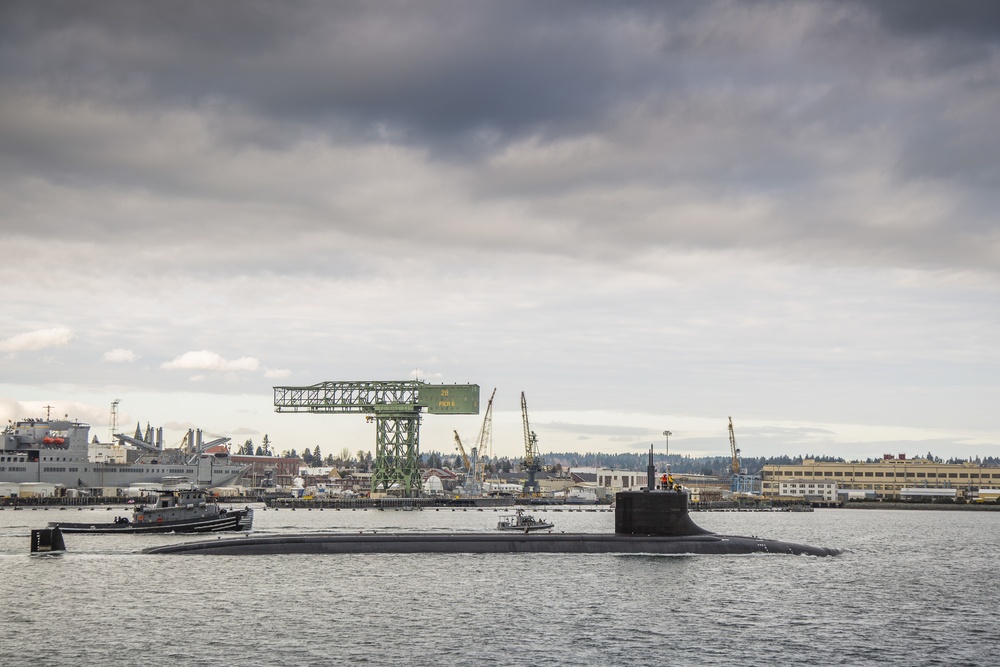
x=107, y=475
x=481, y=543
x=51, y=451
x=236, y=520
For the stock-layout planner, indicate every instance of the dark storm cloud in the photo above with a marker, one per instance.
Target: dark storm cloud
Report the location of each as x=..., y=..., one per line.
x=805, y=127
x=970, y=19
x=443, y=69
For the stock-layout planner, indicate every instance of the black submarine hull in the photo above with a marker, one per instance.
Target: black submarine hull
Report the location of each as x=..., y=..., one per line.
x=488, y=543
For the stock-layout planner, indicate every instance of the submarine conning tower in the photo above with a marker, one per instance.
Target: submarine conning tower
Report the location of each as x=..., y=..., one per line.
x=654, y=513
x=650, y=512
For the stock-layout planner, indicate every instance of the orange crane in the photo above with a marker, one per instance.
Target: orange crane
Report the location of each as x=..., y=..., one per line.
x=461, y=449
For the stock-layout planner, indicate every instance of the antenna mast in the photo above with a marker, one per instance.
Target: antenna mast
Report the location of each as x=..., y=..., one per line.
x=114, y=419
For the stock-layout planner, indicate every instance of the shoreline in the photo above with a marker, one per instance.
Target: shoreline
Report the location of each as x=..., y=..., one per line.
x=948, y=507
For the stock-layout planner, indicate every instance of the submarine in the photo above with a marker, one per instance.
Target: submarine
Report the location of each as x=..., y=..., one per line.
x=651, y=521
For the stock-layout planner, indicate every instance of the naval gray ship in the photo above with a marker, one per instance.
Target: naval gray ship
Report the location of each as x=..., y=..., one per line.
x=55, y=451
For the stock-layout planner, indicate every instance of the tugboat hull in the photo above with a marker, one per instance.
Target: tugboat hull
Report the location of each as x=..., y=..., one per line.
x=236, y=520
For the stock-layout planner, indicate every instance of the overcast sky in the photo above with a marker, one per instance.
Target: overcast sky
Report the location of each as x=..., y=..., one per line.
x=645, y=216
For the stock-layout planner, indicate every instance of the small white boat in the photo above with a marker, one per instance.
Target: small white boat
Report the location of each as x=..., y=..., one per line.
x=522, y=522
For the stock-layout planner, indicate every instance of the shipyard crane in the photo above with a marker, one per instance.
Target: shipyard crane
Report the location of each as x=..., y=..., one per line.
x=741, y=482
x=532, y=461
x=395, y=407
x=484, y=443
x=735, y=451
x=473, y=485
x=465, y=459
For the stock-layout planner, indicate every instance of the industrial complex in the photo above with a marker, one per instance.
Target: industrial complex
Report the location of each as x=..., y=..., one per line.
x=398, y=470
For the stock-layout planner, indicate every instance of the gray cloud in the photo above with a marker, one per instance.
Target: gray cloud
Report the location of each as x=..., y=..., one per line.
x=966, y=19
x=799, y=126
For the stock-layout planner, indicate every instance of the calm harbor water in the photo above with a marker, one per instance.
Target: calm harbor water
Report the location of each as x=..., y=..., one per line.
x=914, y=588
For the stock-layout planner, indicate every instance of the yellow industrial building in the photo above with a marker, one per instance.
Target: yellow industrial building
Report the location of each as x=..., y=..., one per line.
x=885, y=478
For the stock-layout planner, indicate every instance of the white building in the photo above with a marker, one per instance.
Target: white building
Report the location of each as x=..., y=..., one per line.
x=36, y=490
x=433, y=485
x=615, y=480
x=914, y=493
x=809, y=489
x=584, y=493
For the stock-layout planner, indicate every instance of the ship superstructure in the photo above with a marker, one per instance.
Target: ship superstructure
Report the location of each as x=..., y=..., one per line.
x=55, y=451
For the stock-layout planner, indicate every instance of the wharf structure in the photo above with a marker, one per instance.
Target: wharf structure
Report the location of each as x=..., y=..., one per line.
x=610, y=481
x=884, y=479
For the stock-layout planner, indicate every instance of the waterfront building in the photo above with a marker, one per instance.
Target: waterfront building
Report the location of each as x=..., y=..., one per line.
x=927, y=493
x=356, y=482
x=612, y=480
x=884, y=479
x=268, y=470
x=811, y=490
x=27, y=490
x=585, y=492
x=702, y=488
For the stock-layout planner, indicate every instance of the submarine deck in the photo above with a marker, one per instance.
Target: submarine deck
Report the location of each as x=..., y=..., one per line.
x=409, y=543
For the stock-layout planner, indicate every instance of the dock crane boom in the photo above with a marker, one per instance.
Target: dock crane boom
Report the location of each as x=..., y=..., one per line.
x=465, y=459
x=740, y=482
x=484, y=444
x=735, y=451
x=532, y=461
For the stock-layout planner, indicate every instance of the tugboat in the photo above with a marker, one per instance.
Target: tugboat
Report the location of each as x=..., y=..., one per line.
x=522, y=522
x=181, y=511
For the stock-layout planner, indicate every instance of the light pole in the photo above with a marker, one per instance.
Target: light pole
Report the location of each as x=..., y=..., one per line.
x=667, y=434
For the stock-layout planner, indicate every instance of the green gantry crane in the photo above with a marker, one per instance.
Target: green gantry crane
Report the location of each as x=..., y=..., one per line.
x=395, y=408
